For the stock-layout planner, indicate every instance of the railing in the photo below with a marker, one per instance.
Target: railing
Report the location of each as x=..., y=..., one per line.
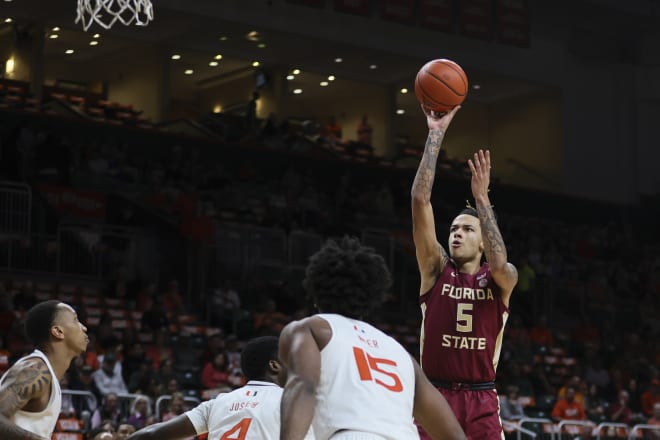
x=509, y=425
x=15, y=208
x=578, y=427
x=635, y=431
x=536, y=420
x=616, y=428
x=195, y=401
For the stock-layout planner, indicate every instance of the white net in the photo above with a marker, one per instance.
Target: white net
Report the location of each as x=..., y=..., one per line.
x=106, y=12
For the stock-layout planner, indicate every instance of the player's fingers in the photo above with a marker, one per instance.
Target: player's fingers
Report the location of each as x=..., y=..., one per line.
x=472, y=168
x=477, y=162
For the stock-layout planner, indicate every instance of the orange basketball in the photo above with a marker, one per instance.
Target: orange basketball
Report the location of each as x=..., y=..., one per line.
x=441, y=85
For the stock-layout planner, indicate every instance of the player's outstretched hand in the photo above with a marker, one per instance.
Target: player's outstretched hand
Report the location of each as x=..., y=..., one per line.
x=439, y=121
x=480, y=167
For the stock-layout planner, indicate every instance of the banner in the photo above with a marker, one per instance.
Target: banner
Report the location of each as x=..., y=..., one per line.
x=512, y=22
x=75, y=203
x=475, y=18
x=401, y=11
x=437, y=15
x=358, y=7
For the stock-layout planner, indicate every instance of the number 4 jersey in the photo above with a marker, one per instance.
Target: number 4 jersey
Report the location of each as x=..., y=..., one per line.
x=367, y=383
x=463, y=318
x=251, y=412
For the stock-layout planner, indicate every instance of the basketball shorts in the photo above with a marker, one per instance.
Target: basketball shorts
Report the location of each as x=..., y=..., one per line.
x=478, y=413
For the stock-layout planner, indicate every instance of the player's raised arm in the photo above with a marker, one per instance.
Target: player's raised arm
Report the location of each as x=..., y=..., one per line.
x=431, y=256
x=432, y=410
x=504, y=273
x=27, y=383
x=300, y=352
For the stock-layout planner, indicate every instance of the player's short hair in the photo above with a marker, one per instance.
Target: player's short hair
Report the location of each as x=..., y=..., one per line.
x=38, y=321
x=256, y=355
x=469, y=210
x=347, y=278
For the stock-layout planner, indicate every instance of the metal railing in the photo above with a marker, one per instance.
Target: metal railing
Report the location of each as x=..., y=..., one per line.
x=167, y=397
x=636, y=430
x=15, y=208
x=538, y=421
x=579, y=426
x=611, y=427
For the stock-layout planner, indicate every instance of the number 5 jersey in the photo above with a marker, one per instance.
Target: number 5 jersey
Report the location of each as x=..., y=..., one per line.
x=367, y=383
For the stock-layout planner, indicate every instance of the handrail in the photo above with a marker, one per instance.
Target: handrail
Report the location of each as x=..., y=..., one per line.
x=633, y=431
x=535, y=420
x=610, y=425
x=82, y=393
x=191, y=399
x=518, y=428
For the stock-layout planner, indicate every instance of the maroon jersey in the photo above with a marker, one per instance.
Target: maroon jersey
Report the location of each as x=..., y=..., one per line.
x=463, y=318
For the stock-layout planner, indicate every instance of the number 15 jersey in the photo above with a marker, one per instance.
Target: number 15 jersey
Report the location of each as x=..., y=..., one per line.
x=367, y=383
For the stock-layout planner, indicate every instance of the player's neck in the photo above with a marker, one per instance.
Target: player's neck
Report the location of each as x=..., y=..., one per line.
x=470, y=267
x=59, y=358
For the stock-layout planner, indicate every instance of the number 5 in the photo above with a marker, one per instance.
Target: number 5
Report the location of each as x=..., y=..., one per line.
x=464, y=319
x=366, y=364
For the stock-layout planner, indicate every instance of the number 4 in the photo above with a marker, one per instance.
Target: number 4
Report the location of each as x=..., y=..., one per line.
x=241, y=428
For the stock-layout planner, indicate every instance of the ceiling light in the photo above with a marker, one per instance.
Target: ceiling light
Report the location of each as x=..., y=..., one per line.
x=8, y=20
x=338, y=60
x=476, y=86
x=253, y=36
x=255, y=63
x=96, y=36
x=297, y=91
x=400, y=111
x=261, y=45
x=93, y=43
x=188, y=71
x=296, y=71
x=56, y=29
x=8, y=1
x=69, y=51
x=217, y=108
x=323, y=83
x=373, y=67
x=404, y=90
x=218, y=57
x=213, y=64
x=223, y=38
x=9, y=65
x=331, y=78
x=53, y=36
x=290, y=77
x=176, y=56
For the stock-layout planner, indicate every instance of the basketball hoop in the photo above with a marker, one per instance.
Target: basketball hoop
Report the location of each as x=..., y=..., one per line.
x=107, y=12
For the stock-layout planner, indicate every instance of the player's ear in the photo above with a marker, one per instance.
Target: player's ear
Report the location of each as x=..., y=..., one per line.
x=56, y=332
x=274, y=366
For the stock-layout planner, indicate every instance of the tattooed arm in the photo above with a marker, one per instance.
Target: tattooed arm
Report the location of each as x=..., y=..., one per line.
x=26, y=386
x=504, y=273
x=431, y=256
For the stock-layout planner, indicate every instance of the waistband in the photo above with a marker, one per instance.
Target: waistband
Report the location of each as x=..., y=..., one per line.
x=462, y=386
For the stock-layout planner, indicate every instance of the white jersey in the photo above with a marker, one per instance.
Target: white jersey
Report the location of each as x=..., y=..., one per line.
x=248, y=413
x=41, y=423
x=367, y=384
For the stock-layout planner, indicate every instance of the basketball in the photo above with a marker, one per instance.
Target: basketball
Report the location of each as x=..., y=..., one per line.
x=441, y=85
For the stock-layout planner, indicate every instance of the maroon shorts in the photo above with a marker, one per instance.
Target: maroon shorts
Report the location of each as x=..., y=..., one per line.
x=478, y=413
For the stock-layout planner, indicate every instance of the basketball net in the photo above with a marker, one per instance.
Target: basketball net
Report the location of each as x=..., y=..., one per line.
x=107, y=12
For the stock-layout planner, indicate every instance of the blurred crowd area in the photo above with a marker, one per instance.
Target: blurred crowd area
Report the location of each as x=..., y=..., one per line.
x=582, y=341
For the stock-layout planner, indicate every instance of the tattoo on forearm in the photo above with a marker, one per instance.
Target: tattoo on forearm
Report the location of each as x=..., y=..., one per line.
x=493, y=242
x=425, y=176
